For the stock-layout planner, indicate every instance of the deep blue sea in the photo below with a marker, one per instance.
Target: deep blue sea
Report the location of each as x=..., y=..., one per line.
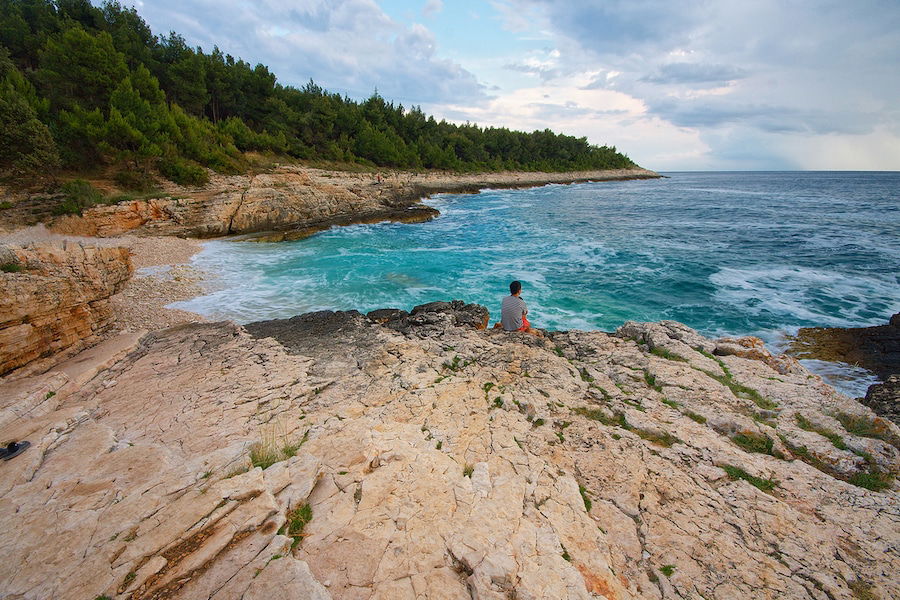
x=743, y=253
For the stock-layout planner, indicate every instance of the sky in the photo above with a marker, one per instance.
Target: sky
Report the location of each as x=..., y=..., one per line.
x=698, y=85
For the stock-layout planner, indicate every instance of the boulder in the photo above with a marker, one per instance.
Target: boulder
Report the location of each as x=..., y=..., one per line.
x=755, y=349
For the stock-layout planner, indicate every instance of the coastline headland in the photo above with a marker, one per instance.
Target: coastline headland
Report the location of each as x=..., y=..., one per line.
x=288, y=198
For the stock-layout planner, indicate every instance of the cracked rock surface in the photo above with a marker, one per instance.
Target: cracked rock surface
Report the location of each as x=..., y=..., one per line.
x=437, y=460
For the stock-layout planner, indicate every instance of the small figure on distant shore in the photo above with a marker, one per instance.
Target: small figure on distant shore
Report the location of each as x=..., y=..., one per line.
x=513, y=310
x=378, y=178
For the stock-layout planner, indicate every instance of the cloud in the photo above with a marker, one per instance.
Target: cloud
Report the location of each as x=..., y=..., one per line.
x=347, y=46
x=778, y=73
x=432, y=8
x=691, y=73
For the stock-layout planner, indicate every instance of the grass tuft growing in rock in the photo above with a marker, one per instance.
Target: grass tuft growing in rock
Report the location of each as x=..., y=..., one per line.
x=584, y=496
x=468, y=470
x=663, y=439
x=650, y=380
x=267, y=451
x=297, y=520
x=667, y=570
x=862, y=590
x=758, y=443
x=663, y=353
x=596, y=414
x=11, y=267
x=866, y=427
x=805, y=424
x=872, y=480
x=739, y=390
x=698, y=418
x=289, y=449
x=618, y=419
x=766, y=485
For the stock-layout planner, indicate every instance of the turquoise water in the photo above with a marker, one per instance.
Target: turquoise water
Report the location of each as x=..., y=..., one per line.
x=726, y=253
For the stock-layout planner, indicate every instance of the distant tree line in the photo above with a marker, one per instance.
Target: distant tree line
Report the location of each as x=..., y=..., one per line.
x=82, y=85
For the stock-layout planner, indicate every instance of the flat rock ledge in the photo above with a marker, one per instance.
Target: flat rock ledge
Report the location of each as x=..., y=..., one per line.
x=394, y=456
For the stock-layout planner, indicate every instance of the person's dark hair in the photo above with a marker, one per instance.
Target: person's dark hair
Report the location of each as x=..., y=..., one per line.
x=514, y=287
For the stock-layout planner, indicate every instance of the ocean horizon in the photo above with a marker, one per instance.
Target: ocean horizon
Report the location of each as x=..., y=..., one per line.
x=728, y=253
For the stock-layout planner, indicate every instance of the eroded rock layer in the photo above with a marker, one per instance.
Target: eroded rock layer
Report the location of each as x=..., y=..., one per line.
x=55, y=297
x=431, y=459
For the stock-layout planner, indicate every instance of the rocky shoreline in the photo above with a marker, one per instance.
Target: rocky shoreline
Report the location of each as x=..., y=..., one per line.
x=345, y=456
x=336, y=455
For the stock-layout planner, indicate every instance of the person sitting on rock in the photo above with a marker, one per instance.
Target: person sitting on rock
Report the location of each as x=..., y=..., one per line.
x=513, y=310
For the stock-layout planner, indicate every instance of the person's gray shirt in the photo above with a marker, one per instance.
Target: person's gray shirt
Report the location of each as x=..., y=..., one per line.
x=511, y=311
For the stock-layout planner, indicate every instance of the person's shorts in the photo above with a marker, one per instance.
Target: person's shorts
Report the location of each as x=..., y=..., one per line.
x=525, y=325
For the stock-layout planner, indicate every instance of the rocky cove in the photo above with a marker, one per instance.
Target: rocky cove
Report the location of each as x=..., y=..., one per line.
x=417, y=455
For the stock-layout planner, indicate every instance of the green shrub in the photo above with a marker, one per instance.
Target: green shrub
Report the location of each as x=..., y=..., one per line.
x=667, y=570
x=183, y=171
x=78, y=196
x=11, y=267
x=135, y=181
